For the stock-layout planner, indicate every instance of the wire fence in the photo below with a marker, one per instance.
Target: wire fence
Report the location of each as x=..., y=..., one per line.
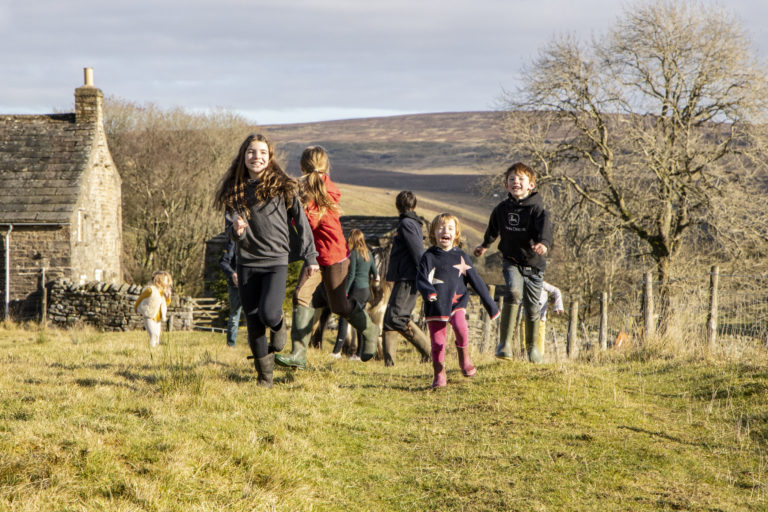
x=741, y=312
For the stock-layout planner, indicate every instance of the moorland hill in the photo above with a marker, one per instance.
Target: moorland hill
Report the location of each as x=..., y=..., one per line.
x=442, y=157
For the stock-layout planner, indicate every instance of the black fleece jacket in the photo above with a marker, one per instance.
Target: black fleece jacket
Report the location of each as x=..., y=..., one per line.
x=520, y=224
x=407, y=248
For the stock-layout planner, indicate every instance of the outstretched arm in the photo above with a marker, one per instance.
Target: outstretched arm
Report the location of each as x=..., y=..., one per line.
x=423, y=284
x=477, y=283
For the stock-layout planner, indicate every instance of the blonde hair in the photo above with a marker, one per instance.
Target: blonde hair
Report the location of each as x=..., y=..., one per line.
x=357, y=243
x=163, y=280
x=314, y=164
x=445, y=217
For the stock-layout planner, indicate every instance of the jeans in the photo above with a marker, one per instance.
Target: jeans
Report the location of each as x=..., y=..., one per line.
x=523, y=289
x=233, y=322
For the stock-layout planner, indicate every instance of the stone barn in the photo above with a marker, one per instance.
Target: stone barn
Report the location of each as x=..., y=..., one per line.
x=60, y=202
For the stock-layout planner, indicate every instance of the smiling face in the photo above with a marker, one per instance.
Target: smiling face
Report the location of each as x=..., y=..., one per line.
x=256, y=158
x=445, y=234
x=519, y=185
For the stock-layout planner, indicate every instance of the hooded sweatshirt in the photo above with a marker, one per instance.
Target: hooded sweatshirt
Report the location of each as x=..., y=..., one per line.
x=521, y=224
x=266, y=241
x=326, y=230
x=407, y=248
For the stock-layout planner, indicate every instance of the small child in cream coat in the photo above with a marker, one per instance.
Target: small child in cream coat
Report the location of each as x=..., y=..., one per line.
x=153, y=303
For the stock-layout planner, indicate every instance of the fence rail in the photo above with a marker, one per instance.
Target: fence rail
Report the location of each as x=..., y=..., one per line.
x=712, y=309
x=205, y=313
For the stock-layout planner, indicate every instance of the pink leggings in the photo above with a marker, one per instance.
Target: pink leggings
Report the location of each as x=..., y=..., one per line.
x=438, y=330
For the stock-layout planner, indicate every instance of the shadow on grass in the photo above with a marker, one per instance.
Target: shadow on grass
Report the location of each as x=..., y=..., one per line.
x=661, y=435
x=139, y=377
x=90, y=383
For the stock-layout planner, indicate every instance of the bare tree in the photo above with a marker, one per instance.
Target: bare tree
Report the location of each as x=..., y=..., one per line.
x=170, y=162
x=649, y=127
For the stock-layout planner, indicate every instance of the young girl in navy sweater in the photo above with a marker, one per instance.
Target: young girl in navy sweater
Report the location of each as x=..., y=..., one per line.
x=444, y=271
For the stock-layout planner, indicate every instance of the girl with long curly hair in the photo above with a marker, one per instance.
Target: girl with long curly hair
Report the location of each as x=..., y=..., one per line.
x=263, y=214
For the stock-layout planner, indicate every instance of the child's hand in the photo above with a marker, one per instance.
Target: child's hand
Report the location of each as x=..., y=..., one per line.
x=479, y=251
x=539, y=249
x=239, y=225
x=432, y=297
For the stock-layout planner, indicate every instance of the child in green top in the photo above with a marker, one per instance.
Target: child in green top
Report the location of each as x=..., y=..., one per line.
x=362, y=267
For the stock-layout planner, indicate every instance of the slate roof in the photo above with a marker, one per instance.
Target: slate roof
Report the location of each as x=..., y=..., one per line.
x=42, y=160
x=376, y=229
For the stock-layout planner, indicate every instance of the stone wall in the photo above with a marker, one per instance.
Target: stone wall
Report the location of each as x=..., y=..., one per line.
x=107, y=306
x=31, y=249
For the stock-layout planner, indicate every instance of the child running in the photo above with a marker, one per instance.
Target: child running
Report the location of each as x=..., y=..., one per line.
x=404, y=257
x=320, y=197
x=153, y=304
x=444, y=271
x=362, y=268
x=263, y=213
x=522, y=223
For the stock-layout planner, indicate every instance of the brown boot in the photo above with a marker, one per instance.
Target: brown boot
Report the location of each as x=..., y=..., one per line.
x=418, y=339
x=390, y=347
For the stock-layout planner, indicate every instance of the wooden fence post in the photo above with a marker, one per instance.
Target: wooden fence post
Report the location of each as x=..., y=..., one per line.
x=43, y=299
x=487, y=324
x=714, y=278
x=603, y=336
x=650, y=325
x=571, y=348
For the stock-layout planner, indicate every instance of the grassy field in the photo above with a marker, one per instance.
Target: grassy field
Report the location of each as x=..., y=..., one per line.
x=95, y=421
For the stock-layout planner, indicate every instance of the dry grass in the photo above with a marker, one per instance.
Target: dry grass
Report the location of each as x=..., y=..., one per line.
x=95, y=421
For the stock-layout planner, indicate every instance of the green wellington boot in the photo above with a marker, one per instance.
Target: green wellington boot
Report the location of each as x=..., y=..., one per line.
x=389, y=345
x=360, y=320
x=301, y=330
x=534, y=343
x=507, y=330
x=418, y=339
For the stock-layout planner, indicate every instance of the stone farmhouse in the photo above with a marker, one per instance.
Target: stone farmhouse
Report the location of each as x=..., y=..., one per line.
x=60, y=202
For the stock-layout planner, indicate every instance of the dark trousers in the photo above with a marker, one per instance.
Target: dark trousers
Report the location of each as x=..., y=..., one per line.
x=400, y=306
x=361, y=296
x=262, y=290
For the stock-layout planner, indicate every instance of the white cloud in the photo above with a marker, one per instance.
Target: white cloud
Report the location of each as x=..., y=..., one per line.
x=289, y=57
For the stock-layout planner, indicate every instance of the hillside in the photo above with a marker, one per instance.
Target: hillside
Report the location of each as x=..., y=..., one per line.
x=440, y=157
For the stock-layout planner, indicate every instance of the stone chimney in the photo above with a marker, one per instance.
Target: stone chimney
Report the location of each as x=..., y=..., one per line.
x=88, y=101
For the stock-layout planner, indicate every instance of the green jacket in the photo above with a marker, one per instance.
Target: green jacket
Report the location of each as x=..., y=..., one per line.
x=360, y=270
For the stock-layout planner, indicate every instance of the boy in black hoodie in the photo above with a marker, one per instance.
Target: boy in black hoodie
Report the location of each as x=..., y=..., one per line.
x=526, y=237
x=407, y=248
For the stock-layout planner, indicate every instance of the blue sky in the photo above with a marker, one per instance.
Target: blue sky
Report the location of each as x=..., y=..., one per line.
x=292, y=60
